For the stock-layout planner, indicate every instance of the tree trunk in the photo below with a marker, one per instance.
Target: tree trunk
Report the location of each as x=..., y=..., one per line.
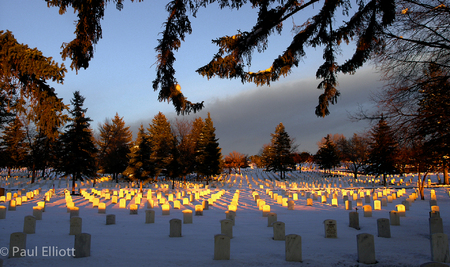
x=140, y=186
x=33, y=174
x=73, y=183
x=384, y=179
x=445, y=172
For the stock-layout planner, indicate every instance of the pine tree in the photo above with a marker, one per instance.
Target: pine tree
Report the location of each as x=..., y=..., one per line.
x=13, y=147
x=161, y=136
x=77, y=148
x=208, y=153
x=327, y=156
x=382, y=151
x=278, y=155
x=140, y=167
x=114, y=142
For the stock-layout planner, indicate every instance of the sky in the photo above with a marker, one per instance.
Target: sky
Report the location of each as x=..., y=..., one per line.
x=119, y=77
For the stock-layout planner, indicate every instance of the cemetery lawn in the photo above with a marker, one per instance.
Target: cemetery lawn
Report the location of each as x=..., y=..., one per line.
x=132, y=242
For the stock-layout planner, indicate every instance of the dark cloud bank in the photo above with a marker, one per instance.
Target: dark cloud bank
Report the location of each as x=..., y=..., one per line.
x=245, y=121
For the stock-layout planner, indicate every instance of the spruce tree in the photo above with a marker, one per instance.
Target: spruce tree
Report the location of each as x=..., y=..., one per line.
x=140, y=167
x=114, y=142
x=327, y=156
x=208, y=152
x=278, y=155
x=13, y=149
x=77, y=148
x=161, y=136
x=382, y=151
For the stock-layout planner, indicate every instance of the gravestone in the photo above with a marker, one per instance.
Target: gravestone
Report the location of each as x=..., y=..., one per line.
x=187, y=216
x=82, y=245
x=367, y=211
x=175, y=228
x=133, y=209
x=354, y=220
x=367, y=199
x=436, y=225
x=12, y=205
x=110, y=219
x=401, y=210
x=271, y=219
x=384, y=228
x=439, y=248
x=279, y=231
x=348, y=205
x=198, y=210
x=205, y=205
x=309, y=202
x=74, y=212
x=149, y=216
x=230, y=215
x=330, y=228
x=29, y=225
x=377, y=205
x=293, y=248
x=291, y=205
x=221, y=247
x=226, y=228
x=37, y=213
x=366, y=248
x=406, y=204
x=384, y=202
x=359, y=202
x=394, y=217
x=17, y=243
x=75, y=226
x=2, y=212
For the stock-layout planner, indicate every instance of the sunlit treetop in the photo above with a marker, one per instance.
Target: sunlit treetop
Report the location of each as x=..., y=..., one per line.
x=364, y=25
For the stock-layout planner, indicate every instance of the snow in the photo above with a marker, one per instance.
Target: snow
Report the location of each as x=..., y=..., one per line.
x=132, y=242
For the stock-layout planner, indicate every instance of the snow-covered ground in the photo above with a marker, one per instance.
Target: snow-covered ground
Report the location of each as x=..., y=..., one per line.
x=132, y=242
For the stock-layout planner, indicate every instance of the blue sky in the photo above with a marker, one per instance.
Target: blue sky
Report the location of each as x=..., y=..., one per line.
x=119, y=78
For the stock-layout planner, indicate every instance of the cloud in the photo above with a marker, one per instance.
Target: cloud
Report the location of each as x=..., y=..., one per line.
x=245, y=121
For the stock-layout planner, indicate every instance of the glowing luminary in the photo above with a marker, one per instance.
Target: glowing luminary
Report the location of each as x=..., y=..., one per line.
x=133, y=209
x=389, y=199
x=279, y=199
x=334, y=202
x=232, y=207
x=123, y=203
x=434, y=208
x=176, y=204
x=42, y=205
x=95, y=202
x=101, y=208
x=137, y=201
x=198, y=210
x=377, y=205
x=266, y=210
x=165, y=209
x=400, y=210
